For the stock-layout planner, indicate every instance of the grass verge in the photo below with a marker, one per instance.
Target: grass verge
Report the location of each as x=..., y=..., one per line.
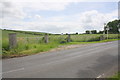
x=31, y=49
x=115, y=77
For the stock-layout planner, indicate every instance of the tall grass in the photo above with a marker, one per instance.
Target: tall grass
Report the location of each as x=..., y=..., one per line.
x=29, y=44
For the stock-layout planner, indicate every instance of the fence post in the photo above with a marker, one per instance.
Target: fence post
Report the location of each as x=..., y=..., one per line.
x=12, y=40
x=102, y=37
x=68, y=39
x=46, y=38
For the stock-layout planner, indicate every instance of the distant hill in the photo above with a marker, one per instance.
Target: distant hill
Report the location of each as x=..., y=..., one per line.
x=21, y=33
x=24, y=32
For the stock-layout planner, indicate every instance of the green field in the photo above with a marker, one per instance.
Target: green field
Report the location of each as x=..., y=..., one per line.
x=28, y=43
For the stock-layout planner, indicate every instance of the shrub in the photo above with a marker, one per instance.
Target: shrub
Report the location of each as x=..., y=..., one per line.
x=26, y=47
x=63, y=41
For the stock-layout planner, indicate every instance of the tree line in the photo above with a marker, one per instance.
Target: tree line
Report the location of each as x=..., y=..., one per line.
x=113, y=28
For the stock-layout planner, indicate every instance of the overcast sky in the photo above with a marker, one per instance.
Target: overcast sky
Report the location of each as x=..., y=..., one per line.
x=63, y=16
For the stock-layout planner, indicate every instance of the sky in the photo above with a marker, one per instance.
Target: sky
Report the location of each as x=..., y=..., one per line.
x=53, y=16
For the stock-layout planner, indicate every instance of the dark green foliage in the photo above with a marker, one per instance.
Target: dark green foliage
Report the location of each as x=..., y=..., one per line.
x=35, y=46
x=26, y=47
x=63, y=41
x=113, y=28
x=91, y=32
x=100, y=32
x=94, y=31
x=113, y=25
x=76, y=33
x=87, y=32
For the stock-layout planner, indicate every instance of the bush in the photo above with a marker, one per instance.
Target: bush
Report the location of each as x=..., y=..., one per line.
x=63, y=41
x=26, y=47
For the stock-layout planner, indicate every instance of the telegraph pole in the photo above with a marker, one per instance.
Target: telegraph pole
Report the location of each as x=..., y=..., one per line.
x=104, y=29
x=107, y=31
x=118, y=27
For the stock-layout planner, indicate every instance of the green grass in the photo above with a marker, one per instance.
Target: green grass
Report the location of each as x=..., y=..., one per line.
x=115, y=77
x=28, y=50
x=93, y=41
x=31, y=49
x=33, y=44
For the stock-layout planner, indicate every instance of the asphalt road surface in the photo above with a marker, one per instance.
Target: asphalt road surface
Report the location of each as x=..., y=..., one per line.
x=91, y=61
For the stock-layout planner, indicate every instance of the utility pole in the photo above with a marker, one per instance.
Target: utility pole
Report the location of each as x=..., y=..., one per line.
x=107, y=31
x=118, y=27
x=104, y=29
x=118, y=30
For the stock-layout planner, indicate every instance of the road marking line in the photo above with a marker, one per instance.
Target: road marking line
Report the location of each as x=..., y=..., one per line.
x=99, y=76
x=12, y=71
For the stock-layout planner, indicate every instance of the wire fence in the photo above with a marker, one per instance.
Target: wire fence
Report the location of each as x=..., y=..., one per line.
x=13, y=41
x=64, y=38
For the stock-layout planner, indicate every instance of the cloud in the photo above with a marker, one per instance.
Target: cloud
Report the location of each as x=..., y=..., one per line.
x=56, y=18
x=38, y=17
x=36, y=4
x=15, y=9
x=84, y=21
x=11, y=10
x=46, y=5
x=64, y=0
x=14, y=15
x=95, y=20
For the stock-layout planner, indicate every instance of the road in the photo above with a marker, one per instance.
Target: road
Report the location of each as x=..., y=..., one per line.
x=91, y=61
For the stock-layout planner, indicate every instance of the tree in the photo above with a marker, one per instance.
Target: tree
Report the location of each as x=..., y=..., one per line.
x=66, y=33
x=87, y=32
x=76, y=33
x=113, y=26
x=100, y=32
x=94, y=31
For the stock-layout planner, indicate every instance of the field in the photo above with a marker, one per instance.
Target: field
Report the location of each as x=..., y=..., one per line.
x=28, y=43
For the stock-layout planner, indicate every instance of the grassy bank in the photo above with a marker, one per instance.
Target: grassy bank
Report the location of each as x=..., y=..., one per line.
x=28, y=43
x=35, y=48
x=115, y=77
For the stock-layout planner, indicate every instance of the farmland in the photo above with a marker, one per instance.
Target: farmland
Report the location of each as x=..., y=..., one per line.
x=28, y=43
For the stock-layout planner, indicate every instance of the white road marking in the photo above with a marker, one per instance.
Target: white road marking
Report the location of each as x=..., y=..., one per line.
x=12, y=71
x=100, y=75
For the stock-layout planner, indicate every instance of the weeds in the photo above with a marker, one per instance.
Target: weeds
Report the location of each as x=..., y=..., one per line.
x=35, y=44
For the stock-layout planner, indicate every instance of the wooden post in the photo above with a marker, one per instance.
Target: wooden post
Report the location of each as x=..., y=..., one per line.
x=12, y=40
x=46, y=38
x=68, y=39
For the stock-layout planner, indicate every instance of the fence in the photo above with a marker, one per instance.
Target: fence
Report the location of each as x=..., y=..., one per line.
x=14, y=40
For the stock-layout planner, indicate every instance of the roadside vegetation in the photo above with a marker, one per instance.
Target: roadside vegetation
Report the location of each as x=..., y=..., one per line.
x=29, y=43
x=32, y=43
x=115, y=77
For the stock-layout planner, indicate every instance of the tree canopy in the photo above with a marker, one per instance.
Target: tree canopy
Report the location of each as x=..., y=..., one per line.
x=113, y=26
